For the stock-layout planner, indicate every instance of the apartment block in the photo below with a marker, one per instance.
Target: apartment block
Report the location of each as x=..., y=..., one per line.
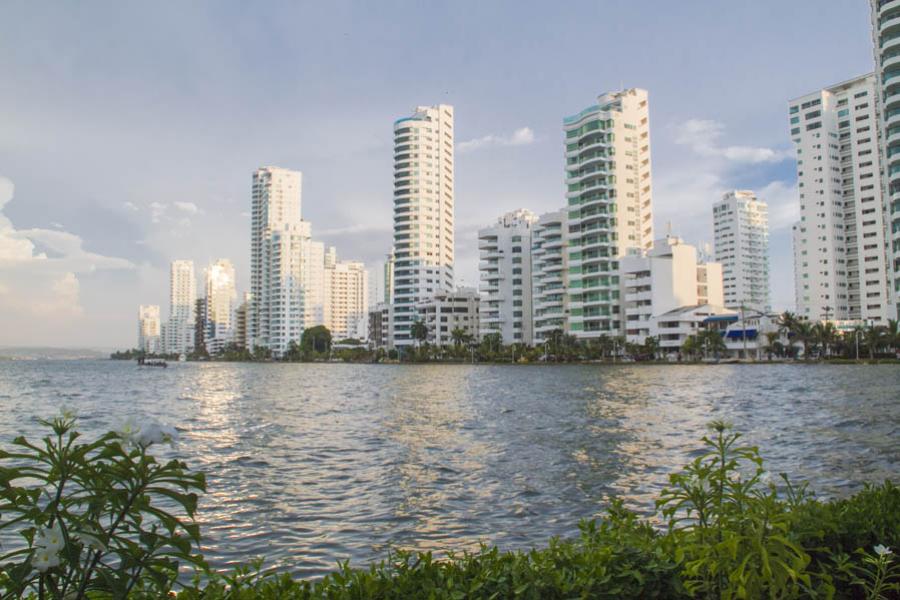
x=505, y=277
x=841, y=266
x=423, y=213
x=609, y=205
x=741, y=227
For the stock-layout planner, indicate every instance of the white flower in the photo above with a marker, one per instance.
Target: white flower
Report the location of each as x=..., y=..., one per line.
x=129, y=430
x=154, y=433
x=67, y=413
x=44, y=559
x=147, y=433
x=50, y=539
x=882, y=550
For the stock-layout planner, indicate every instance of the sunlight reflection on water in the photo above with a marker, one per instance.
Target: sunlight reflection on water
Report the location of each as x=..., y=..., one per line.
x=310, y=464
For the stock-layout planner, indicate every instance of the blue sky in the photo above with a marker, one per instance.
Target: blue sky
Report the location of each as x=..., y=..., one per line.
x=129, y=131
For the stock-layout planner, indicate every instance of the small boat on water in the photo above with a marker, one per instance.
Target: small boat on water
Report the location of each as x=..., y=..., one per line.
x=152, y=362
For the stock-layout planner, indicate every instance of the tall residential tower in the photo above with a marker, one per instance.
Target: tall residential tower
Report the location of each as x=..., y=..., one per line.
x=840, y=243
x=741, y=224
x=221, y=298
x=886, y=37
x=607, y=150
x=423, y=213
x=179, y=331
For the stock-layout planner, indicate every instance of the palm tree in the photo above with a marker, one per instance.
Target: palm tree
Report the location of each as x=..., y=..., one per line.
x=772, y=343
x=875, y=338
x=803, y=331
x=787, y=325
x=651, y=346
x=825, y=335
x=419, y=331
x=711, y=341
x=892, y=335
x=692, y=346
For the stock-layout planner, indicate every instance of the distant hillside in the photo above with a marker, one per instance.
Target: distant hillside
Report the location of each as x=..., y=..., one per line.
x=42, y=353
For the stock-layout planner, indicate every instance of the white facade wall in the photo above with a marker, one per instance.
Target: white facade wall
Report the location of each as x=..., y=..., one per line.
x=182, y=297
x=287, y=276
x=841, y=257
x=447, y=311
x=666, y=278
x=221, y=297
x=741, y=225
x=149, y=328
x=549, y=275
x=423, y=212
x=505, y=277
x=347, y=286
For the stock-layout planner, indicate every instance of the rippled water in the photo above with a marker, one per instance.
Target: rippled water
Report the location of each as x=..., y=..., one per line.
x=310, y=464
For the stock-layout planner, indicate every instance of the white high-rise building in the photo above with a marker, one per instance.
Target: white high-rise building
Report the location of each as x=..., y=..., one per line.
x=221, y=296
x=313, y=259
x=505, y=277
x=182, y=297
x=549, y=274
x=423, y=212
x=840, y=242
x=886, y=37
x=609, y=209
x=149, y=328
x=741, y=224
x=347, y=302
x=275, y=212
x=287, y=268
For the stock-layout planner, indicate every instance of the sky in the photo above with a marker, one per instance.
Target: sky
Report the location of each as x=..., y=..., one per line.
x=129, y=131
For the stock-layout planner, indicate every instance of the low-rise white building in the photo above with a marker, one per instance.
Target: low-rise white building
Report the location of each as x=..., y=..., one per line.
x=446, y=311
x=667, y=278
x=673, y=328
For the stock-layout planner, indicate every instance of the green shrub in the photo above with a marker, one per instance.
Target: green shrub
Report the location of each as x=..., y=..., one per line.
x=729, y=532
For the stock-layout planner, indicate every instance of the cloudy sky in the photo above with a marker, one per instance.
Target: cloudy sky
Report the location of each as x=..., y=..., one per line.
x=129, y=131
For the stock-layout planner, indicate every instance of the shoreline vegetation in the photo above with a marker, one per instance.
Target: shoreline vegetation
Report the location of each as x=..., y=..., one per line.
x=103, y=519
x=796, y=341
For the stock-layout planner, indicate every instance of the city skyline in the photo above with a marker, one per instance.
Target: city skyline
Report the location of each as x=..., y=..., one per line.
x=110, y=247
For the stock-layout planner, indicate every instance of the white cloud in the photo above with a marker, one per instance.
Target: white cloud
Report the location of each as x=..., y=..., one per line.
x=359, y=228
x=43, y=282
x=702, y=136
x=783, y=199
x=130, y=206
x=157, y=211
x=187, y=207
x=520, y=137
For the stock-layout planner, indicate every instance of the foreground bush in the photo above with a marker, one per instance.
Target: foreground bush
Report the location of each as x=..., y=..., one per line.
x=93, y=526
